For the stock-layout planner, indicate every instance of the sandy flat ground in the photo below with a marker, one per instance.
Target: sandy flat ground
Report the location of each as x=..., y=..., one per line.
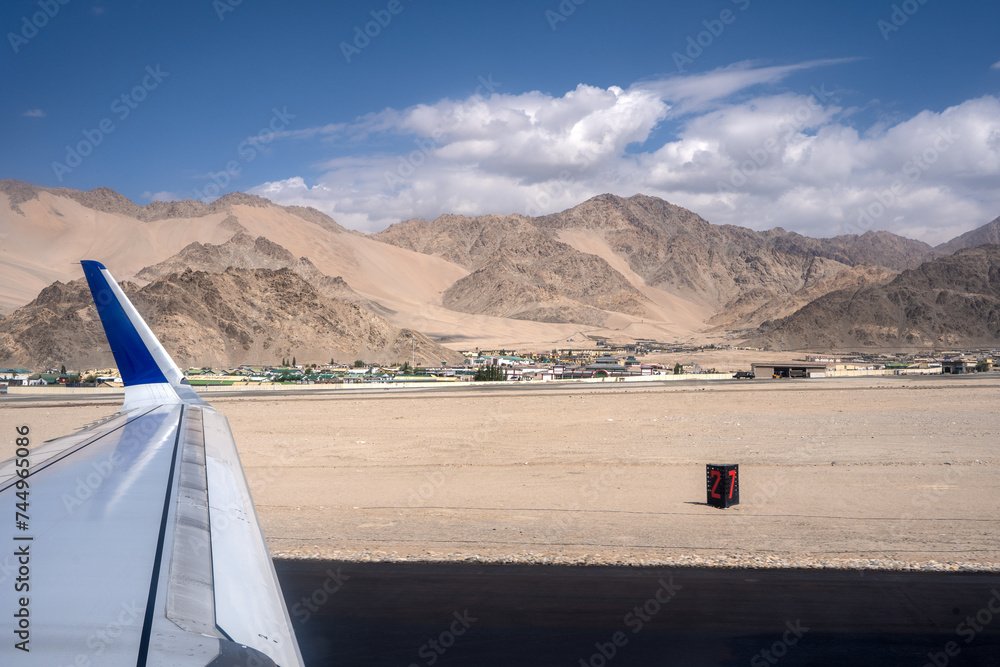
x=882, y=472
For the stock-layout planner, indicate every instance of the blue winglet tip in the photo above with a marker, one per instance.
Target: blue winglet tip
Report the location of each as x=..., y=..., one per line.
x=133, y=357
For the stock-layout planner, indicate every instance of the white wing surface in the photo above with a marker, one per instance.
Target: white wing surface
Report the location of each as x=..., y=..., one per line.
x=135, y=541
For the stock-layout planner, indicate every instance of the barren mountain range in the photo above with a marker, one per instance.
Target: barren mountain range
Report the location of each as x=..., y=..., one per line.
x=953, y=301
x=273, y=281
x=988, y=233
x=236, y=316
x=738, y=275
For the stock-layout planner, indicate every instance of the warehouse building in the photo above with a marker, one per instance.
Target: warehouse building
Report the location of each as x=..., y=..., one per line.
x=795, y=369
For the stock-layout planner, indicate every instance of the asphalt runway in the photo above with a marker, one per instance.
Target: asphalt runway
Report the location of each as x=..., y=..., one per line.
x=485, y=615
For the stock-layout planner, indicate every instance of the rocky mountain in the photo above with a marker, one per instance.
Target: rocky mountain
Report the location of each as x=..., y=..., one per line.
x=46, y=231
x=988, y=233
x=243, y=251
x=646, y=228
x=519, y=271
x=953, y=301
x=614, y=267
x=237, y=316
x=677, y=250
x=528, y=267
x=757, y=308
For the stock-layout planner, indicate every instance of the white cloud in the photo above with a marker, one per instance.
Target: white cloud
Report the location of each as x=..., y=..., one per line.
x=740, y=154
x=693, y=93
x=161, y=196
x=311, y=132
x=34, y=113
x=467, y=156
x=995, y=65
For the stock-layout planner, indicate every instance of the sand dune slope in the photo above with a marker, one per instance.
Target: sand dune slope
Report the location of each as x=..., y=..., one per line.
x=46, y=242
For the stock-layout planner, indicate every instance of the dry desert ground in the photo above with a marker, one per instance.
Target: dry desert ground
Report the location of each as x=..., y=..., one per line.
x=860, y=472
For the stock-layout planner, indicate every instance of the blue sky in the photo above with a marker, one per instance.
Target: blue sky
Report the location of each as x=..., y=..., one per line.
x=823, y=117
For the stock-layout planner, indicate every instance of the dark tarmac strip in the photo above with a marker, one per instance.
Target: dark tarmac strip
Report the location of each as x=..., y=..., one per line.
x=485, y=615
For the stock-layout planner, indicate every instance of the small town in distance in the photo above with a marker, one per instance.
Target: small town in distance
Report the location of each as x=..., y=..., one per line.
x=593, y=361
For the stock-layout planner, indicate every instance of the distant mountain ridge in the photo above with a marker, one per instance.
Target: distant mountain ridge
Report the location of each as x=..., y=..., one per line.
x=616, y=267
x=109, y=201
x=953, y=301
x=988, y=233
x=237, y=316
x=523, y=263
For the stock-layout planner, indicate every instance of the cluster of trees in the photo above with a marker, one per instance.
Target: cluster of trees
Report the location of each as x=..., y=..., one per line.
x=489, y=374
x=404, y=368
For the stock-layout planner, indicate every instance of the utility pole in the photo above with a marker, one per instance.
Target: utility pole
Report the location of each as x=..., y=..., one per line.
x=412, y=355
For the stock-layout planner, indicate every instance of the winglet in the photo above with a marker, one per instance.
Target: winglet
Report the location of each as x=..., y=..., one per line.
x=149, y=374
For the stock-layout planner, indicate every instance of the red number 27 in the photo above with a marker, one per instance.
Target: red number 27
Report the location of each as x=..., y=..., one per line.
x=717, y=476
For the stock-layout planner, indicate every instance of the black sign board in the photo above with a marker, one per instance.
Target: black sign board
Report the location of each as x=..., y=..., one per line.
x=723, y=484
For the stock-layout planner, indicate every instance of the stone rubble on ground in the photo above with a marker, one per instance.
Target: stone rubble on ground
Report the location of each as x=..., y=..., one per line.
x=734, y=561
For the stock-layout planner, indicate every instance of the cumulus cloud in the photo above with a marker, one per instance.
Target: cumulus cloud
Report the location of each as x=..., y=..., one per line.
x=739, y=153
x=34, y=113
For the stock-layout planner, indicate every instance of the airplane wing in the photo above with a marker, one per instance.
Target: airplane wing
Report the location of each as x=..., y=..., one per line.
x=135, y=541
